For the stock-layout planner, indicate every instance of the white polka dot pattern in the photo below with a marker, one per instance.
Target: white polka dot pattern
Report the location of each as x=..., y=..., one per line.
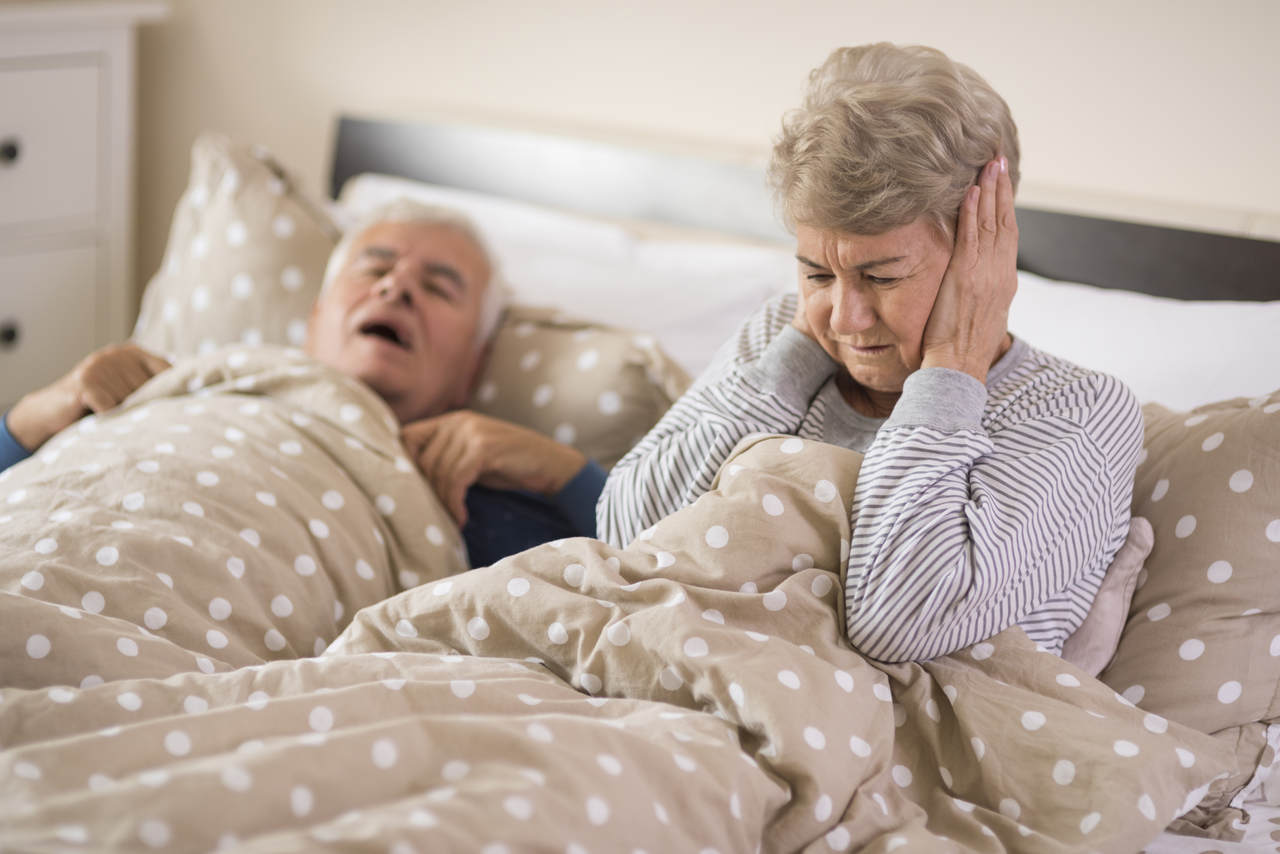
x=589, y=386
x=195, y=566
x=523, y=679
x=244, y=262
x=1196, y=649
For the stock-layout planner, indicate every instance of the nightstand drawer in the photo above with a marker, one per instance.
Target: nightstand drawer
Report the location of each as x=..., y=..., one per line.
x=49, y=144
x=48, y=317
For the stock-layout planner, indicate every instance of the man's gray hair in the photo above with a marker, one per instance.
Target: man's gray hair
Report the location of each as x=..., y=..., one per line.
x=406, y=210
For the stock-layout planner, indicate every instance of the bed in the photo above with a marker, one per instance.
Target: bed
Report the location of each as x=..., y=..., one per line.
x=232, y=617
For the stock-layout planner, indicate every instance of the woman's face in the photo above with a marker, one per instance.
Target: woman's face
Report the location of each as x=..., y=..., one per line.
x=867, y=298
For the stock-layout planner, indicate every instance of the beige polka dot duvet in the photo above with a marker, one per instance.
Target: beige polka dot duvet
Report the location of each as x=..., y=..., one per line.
x=239, y=509
x=692, y=692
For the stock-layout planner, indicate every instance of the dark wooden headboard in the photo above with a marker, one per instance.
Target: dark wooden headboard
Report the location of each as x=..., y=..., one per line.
x=616, y=181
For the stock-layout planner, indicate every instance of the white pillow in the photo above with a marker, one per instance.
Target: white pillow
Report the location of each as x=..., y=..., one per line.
x=693, y=290
x=1178, y=353
x=689, y=289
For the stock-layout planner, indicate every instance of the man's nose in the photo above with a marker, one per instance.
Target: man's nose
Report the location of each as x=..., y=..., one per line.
x=851, y=310
x=395, y=286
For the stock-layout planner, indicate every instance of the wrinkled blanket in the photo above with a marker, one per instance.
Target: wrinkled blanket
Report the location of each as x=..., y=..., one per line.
x=240, y=508
x=693, y=692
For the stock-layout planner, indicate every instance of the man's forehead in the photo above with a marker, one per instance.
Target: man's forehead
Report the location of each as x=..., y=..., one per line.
x=434, y=242
x=399, y=235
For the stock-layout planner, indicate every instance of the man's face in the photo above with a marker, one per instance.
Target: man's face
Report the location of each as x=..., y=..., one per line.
x=402, y=315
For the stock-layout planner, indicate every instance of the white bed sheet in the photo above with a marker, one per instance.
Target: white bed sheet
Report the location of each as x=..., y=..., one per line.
x=692, y=290
x=1262, y=834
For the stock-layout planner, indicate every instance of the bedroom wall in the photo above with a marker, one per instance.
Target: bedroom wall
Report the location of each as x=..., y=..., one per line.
x=1165, y=110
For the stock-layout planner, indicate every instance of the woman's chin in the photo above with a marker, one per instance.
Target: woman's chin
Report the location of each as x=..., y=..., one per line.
x=877, y=382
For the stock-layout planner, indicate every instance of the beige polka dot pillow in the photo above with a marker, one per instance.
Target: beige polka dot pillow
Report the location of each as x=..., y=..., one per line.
x=245, y=257
x=595, y=387
x=1202, y=641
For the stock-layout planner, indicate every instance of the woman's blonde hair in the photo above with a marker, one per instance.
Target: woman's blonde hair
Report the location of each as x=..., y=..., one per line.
x=887, y=135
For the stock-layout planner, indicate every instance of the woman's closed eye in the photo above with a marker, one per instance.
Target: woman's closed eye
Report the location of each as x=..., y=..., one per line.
x=827, y=278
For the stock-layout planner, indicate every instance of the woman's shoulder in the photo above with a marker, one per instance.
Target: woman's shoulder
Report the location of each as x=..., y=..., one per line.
x=748, y=343
x=1039, y=384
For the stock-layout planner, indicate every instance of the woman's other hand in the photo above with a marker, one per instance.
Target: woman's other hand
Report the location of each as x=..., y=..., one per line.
x=460, y=448
x=969, y=326
x=800, y=320
x=100, y=382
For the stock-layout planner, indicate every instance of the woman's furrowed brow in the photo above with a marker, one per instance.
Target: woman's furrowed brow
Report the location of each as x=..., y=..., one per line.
x=865, y=265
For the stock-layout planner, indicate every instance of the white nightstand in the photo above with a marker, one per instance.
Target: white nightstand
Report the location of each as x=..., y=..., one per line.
x=66, y=184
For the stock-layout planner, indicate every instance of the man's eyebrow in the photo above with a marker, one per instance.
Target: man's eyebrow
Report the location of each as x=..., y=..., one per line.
x=866, y=265
x=383, y=253
x=449, y=273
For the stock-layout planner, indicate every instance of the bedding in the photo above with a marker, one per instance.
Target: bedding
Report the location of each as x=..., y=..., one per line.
x=691, y=289
x=1176, y=352
x=1202, y=641
x=245, y=257
x=245, y=260
x=688, y=289
x=239, y=508
x=596, y=387
x=573, y=694
x=184, y=691
x=1261, y=836
x=1092, y=646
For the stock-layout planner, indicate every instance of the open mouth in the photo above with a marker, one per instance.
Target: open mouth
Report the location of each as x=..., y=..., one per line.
x=386, y=332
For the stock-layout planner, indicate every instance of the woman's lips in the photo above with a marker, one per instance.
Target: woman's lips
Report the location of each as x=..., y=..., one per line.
x=878, y=348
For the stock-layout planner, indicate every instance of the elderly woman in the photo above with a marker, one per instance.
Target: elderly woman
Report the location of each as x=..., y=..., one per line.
x=996, y=481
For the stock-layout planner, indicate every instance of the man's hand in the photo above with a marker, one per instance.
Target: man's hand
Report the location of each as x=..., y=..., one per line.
x=460, y=448
x=968, y=327
x=101, y=380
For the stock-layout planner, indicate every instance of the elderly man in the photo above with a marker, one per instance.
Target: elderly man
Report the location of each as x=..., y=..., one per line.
x=408, y=304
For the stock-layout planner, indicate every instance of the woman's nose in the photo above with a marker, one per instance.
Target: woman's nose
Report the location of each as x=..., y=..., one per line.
x=851, y=311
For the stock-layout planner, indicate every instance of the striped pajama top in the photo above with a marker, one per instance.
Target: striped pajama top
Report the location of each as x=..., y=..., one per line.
x=977, y=507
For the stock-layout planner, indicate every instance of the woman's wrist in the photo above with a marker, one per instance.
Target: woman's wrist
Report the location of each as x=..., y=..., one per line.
x=976, y=365
x=793, y=366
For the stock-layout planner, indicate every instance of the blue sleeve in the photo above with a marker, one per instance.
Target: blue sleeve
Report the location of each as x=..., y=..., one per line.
x=10, y=451
x=502, y=522
x=578, y=499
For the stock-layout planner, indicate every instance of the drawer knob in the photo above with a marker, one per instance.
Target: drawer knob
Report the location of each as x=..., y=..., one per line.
x=9, y=151
x=10, y=332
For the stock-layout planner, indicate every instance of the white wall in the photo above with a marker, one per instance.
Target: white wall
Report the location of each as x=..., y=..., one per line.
x=1170, y=102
